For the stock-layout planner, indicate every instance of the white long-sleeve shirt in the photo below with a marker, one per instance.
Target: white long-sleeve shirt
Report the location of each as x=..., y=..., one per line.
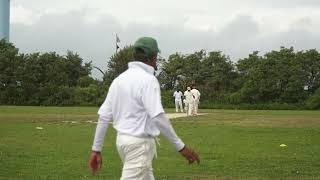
x=177, y=95
x=196, y=94
x=188, y=97
x=134, y=105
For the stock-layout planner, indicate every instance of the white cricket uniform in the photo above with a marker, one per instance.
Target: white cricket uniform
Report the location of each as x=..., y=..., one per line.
x=185, y=105
x=196, y=95
x=190, y=101
x=178, y=100
x=134, y=105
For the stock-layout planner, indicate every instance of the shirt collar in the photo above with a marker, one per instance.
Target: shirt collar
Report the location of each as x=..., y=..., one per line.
x=141, y=65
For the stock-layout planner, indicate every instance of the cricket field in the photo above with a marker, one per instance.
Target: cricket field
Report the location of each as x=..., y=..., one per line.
x=55, y=142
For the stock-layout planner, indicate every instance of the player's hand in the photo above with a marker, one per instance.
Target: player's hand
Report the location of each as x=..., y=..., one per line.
x=95, y=162
x=190, y=155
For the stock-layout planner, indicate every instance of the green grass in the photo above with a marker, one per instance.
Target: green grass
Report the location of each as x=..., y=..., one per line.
x=232, y=145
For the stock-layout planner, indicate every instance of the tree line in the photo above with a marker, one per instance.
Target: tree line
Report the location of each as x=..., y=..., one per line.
x=280, y=79
x=46, y=79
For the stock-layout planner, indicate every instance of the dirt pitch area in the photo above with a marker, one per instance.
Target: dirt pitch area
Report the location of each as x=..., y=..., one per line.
x=179, y=115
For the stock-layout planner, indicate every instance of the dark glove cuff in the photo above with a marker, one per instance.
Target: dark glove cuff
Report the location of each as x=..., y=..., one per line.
x=182, y=148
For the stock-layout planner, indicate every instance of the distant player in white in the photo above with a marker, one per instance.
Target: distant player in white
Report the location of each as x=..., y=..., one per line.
x=189, y=100
x=196, y=95
x=178, y=100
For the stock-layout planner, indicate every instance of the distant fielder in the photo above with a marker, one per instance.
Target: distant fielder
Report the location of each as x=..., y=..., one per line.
x=189, y=100
x=196, y=95
x=178, y=100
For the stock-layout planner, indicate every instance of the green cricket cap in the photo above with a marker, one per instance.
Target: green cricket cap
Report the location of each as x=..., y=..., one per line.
x=148, y=44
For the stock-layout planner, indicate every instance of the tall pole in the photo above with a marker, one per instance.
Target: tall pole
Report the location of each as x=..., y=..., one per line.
x=4, y=19
x=116, y=45
x=117, y=41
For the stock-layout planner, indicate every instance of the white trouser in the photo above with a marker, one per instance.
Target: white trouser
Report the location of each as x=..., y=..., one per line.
x=186, y=107
x=136, y=154
x=178, y=104
x=195, y=107
x=190, y=108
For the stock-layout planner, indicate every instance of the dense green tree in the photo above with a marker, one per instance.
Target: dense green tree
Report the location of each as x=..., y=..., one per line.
x=308, y=64
x=118, y=63
x=278, y=77
x=10, y=76
x=313, y=102
x=218, y=72
x=171, y=72
x=39, y=79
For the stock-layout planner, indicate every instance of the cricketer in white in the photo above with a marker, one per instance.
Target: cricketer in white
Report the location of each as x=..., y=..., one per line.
x=134, y=106
x=144, y=118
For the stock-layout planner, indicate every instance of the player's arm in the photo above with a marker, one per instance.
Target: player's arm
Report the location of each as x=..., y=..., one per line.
x=166, y=129
x=152, y=103
x=95, y=161
x=101, y=129
x=105, y=117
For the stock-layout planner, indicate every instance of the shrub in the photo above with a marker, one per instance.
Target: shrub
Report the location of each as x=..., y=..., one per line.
x=313, y=102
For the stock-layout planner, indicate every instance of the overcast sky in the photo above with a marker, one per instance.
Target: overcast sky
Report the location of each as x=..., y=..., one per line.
x=237, y=28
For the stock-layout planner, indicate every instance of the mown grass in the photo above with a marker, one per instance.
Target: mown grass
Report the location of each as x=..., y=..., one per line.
x=232, y=144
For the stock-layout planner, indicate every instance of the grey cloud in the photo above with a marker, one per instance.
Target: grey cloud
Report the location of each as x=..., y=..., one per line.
x=273, y=3
x=298, y=36
x=62, y=32
x=96, y=41
x=234, y=37
x=283, y=3
x=299, y=39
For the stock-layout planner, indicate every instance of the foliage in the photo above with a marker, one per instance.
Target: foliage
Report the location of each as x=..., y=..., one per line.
x=118, y=63
x=40, y=79
x=313, y=102
x=279, y=78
